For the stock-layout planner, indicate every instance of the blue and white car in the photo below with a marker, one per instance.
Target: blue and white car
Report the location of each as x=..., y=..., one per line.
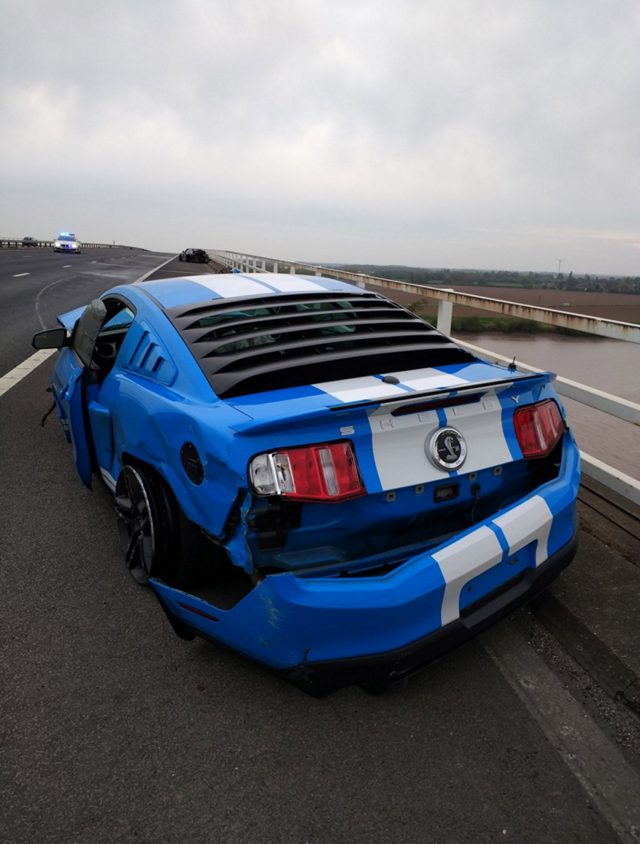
x=308, y=473
x=67, y=242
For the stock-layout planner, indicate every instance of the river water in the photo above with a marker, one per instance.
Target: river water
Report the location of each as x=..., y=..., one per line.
x=609, y=365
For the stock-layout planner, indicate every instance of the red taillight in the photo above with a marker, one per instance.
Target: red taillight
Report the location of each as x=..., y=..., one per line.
x=325, y=472
x=538, y=428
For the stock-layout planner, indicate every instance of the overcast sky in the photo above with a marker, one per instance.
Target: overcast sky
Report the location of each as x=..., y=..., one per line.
x=444, y=133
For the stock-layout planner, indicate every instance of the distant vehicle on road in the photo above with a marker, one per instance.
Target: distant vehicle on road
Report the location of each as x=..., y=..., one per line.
x=344, y=492
x=29, y=241
x=197, y=256
x=66, y=242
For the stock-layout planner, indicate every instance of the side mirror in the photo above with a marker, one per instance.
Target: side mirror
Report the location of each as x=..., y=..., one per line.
x=53, y=338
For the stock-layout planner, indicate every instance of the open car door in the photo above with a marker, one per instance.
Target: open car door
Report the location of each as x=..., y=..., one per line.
x=70, y=377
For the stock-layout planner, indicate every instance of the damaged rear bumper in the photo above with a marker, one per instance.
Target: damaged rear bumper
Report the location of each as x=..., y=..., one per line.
x=391, y=667
x=326, y=632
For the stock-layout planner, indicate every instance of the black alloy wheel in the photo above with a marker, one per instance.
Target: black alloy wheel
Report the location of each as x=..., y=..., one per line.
x=142, y=525
x=155, y=537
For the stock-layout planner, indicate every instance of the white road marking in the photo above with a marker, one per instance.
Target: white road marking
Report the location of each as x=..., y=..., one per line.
x=22, y=369
x=155, y=270
x=593, y=759
x=19, y=372
x=19, y=275
x=65, y=266
x=44, y=289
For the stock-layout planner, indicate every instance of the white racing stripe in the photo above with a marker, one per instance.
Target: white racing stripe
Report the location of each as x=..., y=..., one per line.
x=366, y=388
x=463, y=560
x=372, y=388
x=398, y=444
x=293, y=284
x=528, y=522
x=255, y=285
x=19, y=372
x=481, y=426
x=227, y=288
x=428, y=379
x=480, y=550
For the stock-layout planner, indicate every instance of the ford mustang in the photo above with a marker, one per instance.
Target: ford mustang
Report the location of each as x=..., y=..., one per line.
x=308, y=473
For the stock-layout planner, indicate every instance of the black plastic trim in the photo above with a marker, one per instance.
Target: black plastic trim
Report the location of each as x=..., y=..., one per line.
x=295, y=344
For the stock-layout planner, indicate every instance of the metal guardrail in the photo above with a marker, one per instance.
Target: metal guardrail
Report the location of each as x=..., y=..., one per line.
x=613, y=405
x=16, y=243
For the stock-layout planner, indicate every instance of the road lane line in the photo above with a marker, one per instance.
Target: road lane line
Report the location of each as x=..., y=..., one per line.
x=66, y=266
x=19, y=372
x=593, y=759
x=151, y=272
x=19, y=275
x=44, y=289
x=23, y=369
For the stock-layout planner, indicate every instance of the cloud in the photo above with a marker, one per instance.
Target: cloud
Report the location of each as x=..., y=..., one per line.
x=476, y=132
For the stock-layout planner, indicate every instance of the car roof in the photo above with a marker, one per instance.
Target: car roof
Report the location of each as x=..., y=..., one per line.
x=189, y=290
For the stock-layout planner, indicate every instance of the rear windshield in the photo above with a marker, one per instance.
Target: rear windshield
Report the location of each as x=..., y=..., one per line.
x=253, y=345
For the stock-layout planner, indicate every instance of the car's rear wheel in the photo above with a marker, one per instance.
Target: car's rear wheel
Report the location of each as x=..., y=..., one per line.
x=155, y=538
x=141, y=526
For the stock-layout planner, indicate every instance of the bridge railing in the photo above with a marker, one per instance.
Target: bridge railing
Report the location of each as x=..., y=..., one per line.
x=16, y=243
x=621, y=408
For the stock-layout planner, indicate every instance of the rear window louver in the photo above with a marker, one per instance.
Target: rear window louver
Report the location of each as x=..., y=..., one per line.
x=253, y=345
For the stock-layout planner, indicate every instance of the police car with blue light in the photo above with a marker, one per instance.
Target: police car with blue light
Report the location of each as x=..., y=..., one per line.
x=66, y=242
x=308, y=473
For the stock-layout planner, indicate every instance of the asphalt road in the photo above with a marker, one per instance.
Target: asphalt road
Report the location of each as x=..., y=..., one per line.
x=38, y=284
x=112, y=729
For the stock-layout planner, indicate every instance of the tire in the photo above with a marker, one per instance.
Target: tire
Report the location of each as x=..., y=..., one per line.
x=155, y=538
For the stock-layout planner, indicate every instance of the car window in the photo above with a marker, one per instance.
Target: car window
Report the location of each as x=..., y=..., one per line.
x=290, y=340
x=86, y=331
x=100, y=332
x=121, y=319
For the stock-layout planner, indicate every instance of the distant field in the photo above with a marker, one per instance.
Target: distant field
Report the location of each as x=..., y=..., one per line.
x=621, y=306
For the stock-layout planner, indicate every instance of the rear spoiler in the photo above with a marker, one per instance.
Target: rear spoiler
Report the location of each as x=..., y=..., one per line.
x=443, y=393
x=426, y=400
